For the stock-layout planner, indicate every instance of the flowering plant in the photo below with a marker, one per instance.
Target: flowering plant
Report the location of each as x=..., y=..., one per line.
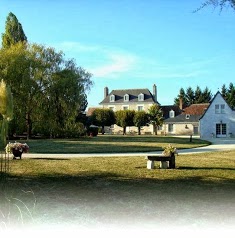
x=17, y=146
x=169, y=149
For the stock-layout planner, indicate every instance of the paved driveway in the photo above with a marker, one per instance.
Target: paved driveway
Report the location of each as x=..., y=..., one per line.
x=218, y=144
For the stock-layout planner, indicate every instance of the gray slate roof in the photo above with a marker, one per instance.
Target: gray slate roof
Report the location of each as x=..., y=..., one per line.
x=183, y=119
x=133, y=96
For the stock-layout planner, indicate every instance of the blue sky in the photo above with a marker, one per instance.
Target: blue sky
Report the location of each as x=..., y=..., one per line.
x=135, y=43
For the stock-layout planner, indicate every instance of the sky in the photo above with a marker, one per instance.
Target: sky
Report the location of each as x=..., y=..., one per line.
x=132, y=44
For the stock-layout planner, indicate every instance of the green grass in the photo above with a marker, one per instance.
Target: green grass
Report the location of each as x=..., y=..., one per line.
x=111, y=144
x=121, y=191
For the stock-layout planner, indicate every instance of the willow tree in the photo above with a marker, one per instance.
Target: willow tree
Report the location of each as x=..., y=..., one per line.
x=14, y=32
x=6, y=110
x=49, y=90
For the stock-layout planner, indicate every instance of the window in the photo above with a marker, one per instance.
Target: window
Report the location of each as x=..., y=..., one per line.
x=219, y=108
x=126, y=98
x=141, y=97
x=222, y=108
x=112, y=98
x=171, y=114
x=170, y=127
x=111, y=108
x=125, y=107
x=216, y=108
x=187, y=116
x=140, y=108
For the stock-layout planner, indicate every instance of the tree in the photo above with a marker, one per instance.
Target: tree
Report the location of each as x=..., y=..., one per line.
x=124, y=118
x=194, y=96
x=103, y=117
x=14, y=32
x=6, y=109
x=217, y=3
x=182, y=96
x=49, y=90
x=140, y=119
x=155, y=117
x=229, y=94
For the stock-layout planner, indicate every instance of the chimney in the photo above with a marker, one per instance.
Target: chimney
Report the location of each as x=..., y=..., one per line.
x=106, y=92
x=181, y=103
x=155, y=92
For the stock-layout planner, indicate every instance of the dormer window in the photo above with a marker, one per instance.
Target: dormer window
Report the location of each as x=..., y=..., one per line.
x=171, y=113
x=112, y=98
x=187, y=116
x=141, y=97
x=126, y=97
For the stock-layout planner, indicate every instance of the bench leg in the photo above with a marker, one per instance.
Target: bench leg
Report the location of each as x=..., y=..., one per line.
x=163, y=164
x=150, y=164
x=172, y=163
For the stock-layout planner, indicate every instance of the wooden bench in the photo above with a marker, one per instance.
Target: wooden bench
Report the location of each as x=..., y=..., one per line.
x=163, y=161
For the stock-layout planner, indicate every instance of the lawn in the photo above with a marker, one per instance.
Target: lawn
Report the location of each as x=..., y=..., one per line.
x=111, y=144
x=120, y=192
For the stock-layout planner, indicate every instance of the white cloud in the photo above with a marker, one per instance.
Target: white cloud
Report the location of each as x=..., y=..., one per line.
x=116, y=63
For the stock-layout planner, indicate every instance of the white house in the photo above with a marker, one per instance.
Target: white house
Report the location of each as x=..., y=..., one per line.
x=218, y=120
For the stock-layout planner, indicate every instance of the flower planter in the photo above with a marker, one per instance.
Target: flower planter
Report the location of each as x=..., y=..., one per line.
x=16, y=149
x=17, y=153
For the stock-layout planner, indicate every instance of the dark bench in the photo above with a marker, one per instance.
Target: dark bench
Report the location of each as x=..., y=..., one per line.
x=162, y=159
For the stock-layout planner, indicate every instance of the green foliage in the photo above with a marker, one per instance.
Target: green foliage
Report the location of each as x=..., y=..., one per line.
x=49, y=90
x=191, y=96
x=155, y=117
x=229, y=94
x=14, y=32
x=92, y=131
x=6, y=109
x=103, y=117
x=124, y=118
x=140, y=119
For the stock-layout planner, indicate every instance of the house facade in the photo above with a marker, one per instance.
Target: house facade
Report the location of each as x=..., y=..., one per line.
x=186, y=122
x=218, y=120
x=129, y=99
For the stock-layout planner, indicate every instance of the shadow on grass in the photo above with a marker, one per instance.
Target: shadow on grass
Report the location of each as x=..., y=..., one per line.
x=204, y=168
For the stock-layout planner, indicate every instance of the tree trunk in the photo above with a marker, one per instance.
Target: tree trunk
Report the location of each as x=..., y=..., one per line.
x=139, y=130
x=124, y=130
x=28, y=125
x=102, y=130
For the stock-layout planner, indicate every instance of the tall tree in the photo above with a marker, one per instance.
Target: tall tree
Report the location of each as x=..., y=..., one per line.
x=229, y=94
x=14, y=32
x=48, y=89
x=155, y=117
x=6, y=109
x=140, y=119
x=194, y=96
x=124, y=118
x=103, y=117
x=182, y=96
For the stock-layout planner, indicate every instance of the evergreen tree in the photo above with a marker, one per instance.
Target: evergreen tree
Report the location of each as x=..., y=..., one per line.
x=14, y=32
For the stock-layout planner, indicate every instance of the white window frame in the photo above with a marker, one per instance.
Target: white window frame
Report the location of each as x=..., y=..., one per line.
x=126, y=98
x=217, y=108
x=112, y=98
x=125, y=107
x=170, y=130
x=171, y=113
x=141, y=97
x=222, y=108
x=187, y=116
x=137, y=108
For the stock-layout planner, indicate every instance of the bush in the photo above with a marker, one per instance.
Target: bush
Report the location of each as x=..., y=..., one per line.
x=93, y=131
